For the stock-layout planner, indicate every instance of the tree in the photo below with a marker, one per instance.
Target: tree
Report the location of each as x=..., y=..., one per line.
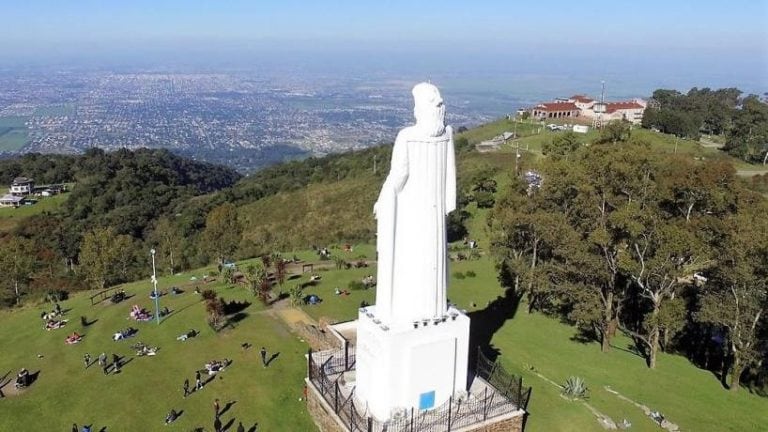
x=599, y=183
x=748, y=137
x=562, y=145
x=256, y=274
x=17, y=259
x=281, y=270
x=614, y=132
x=222, y=232
x=532, y=243
x=736, y=297
x=98, y=255
x=661, y=252
x=168, y=239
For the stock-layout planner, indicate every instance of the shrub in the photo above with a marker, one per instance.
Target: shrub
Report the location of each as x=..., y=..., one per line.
x=470, y=273
x=458, y=275
x=575, y=388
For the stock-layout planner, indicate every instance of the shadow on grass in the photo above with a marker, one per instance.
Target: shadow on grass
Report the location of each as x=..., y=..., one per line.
x=228, y=424
x=227, y=407
x=486, y=322
x=274, y=356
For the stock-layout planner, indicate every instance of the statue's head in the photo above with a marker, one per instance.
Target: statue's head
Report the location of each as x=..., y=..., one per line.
x=429, y=109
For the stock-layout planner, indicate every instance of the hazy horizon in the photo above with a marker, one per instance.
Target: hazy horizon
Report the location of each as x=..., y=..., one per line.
x=634, y=47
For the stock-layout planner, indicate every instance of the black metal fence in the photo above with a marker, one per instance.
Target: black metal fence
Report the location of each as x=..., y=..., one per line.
x=325, y=371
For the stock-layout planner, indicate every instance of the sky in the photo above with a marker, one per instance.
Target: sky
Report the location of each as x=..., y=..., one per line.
x=727, y=37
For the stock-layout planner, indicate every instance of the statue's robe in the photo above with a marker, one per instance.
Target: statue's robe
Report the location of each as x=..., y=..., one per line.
x=411, y=211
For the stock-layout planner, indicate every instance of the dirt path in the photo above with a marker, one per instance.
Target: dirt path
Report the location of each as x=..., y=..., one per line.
x=750, y=173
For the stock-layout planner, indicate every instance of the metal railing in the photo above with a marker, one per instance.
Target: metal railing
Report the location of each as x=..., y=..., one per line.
x=325, y=372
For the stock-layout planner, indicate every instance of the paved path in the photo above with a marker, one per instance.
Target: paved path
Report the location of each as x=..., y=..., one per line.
x=750, y=173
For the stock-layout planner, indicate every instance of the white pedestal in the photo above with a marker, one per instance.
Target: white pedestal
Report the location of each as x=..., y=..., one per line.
x=407, y=366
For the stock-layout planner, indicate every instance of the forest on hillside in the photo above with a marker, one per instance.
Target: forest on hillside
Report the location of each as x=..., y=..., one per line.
x=670, y=251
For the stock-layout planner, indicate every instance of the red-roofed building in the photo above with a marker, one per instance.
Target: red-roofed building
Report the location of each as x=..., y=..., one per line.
x=582, y=102
x=555, y=110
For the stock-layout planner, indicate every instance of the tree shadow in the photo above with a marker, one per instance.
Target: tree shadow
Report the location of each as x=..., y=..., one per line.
x=585, y=336
x=236, y=318
x=253, y=428
x=234, y=307
x=486, y=322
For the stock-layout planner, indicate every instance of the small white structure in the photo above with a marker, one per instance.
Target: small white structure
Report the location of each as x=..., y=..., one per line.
x=581, y=129
x=412, y=350
x=22, y=186
x=9, y=200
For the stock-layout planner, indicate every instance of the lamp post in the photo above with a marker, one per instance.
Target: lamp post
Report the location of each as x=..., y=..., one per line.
x=154, y=283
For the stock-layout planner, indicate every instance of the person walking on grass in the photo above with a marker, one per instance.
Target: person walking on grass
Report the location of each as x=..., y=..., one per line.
x=263, y=356
x=198, y=381
x=186, y=387
x=74, y=427
x=240, y=427
x=216, y=407
x=102, y=359
x=87, y=360
x=116, y=362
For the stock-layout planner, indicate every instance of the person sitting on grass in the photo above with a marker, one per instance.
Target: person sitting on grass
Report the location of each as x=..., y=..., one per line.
x=55, y=324
x=73, y=338
x=190, y=334
x=22, y=379
x=171, y=417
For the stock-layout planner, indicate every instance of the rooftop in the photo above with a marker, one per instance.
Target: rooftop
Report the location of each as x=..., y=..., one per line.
x=11, y=198
x=557, y=106
x=581, y=98
x=21, y=180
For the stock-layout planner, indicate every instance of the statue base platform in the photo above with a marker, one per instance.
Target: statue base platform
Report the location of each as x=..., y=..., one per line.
x=417, y=365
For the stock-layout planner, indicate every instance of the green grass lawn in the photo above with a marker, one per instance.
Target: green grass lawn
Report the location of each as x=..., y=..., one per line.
x=687, y=395
x=11, y=217
x=148, y=387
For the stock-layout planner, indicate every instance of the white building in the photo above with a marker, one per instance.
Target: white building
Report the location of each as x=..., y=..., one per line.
x=22, y=186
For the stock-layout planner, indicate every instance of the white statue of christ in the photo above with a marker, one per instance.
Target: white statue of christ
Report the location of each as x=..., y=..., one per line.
x=411, y=212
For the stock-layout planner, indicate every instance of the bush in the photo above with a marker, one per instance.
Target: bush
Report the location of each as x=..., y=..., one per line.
x=470, y=273
x=575, y=388
x=458, y=275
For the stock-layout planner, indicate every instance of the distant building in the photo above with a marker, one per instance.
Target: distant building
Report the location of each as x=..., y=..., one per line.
x=552, y=110
x=22, y=186
x=9, y=200
x=588, y=108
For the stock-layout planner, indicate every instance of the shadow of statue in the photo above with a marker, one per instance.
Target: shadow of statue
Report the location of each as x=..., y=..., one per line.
x=486, y=322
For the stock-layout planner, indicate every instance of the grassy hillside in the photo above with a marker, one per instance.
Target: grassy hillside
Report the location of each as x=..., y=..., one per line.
x=11, y=217
x=141, y=395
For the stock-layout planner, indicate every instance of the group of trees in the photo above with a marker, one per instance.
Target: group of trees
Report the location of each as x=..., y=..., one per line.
x=120, y=208
x=742, y=121
x=670, y=251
